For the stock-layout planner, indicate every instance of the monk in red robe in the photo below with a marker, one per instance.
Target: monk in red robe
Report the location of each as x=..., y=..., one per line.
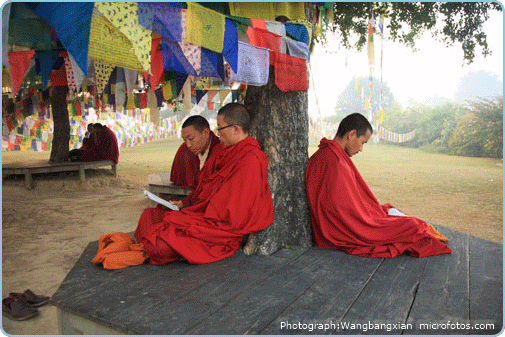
x=232, y=199
x=345, y=213
x=199, y=141
x=102, y=146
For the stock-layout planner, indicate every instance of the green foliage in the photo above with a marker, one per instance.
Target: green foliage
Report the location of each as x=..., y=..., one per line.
x=458, y=22
x=436, y=124
x=480, y=132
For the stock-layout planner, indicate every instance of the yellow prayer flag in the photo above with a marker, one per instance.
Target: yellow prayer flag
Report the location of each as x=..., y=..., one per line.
x=291, y=10
x=108, y=44
x=124, y=16
x=256, y=10
x=205, y=27
x=168, y=92
x=130, y=104
x=103, y=70
x=222, y=95
x=381, y=115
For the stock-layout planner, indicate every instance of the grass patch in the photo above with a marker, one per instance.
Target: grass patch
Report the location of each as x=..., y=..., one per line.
x=462, y=193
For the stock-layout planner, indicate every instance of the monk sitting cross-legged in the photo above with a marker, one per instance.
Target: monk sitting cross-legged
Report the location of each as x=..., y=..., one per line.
x=345, y=213
x=232, y=199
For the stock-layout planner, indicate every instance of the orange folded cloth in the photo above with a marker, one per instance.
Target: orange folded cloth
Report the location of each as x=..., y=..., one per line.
x=437, y=234
x=119, y=250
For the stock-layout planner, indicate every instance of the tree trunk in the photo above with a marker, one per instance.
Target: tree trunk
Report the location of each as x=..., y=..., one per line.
x=61, y=136
x=280, y=124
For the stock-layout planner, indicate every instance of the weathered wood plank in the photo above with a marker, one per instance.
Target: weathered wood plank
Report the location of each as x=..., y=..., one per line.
x=218, y=286
x=253, y=309
x=144, y=299
x=383, y=305
x=486, y=286
x=442, y=302
x=319, y=309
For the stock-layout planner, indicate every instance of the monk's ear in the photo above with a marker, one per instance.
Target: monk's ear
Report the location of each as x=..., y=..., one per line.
x=352, y=134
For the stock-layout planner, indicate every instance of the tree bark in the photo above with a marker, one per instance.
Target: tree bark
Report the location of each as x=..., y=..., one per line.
x=280, y=124
x=61, y=136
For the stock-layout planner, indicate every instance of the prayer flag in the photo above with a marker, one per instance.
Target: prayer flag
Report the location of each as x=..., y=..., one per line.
x=205, y=27
x=108, y=44
x=291, y=73
x=253, y=65
x=71, y=21
x=19, y=62
x=257, y=10
x=124, y=16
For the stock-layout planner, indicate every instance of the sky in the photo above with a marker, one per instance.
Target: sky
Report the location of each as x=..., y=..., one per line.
x=433, y=70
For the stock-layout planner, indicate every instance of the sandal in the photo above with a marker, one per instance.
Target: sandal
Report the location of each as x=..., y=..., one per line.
x=17, y=309
x=31, y=298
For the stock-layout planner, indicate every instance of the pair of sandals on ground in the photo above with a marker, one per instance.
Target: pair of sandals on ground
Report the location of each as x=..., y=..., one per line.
x=21, y=306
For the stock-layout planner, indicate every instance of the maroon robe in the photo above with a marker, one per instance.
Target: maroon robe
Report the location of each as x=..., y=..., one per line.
x=186, y=165
x=347, y=216
x=232, y=199
x=103, y=147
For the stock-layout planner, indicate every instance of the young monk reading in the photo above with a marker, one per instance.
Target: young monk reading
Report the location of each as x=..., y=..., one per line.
x=199, y=141
x=232, y=199
x=346, y=215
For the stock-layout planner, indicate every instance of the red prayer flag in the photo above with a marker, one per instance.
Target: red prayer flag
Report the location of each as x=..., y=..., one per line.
x=143, y=100
x=19, y=61
x=263, y=38
x=290, y=73
x=156, y=62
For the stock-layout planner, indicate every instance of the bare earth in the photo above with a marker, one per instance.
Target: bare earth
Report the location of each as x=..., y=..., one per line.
x=46, y=229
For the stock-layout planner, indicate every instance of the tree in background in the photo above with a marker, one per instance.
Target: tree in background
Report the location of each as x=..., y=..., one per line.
x=478, y=84
x=352, y=97
x=480, y=132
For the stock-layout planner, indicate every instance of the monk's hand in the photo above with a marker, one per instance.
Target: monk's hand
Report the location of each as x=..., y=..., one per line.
x=177, y=203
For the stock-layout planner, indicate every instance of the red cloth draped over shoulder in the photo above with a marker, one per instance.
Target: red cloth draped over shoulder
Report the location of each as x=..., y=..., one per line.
x=186, y=165
x=347, y=216
x=232, y=199
x=103, y=146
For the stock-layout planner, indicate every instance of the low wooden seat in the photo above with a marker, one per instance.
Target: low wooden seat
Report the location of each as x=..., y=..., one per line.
x=27, y=169
x=294, y=291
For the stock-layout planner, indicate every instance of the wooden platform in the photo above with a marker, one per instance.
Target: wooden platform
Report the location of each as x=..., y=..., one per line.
x=295, y=291
x=27, y=169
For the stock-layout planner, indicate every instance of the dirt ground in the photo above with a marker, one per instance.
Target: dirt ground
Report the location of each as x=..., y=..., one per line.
x=45, y=230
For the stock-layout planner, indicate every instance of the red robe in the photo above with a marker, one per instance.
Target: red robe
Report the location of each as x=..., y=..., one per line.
x=103, y=147
x=232, y=199
x=347, y=216
x=186, y=165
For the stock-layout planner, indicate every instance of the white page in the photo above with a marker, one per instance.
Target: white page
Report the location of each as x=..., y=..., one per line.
x=157, y=199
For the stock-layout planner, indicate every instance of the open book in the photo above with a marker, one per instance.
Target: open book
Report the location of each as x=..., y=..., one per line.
x=157, y=199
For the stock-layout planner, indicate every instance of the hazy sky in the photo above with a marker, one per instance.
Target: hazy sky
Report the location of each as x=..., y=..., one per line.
x=433, y=70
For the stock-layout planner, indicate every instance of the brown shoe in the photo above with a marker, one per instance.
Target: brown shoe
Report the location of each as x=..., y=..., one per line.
x=17, y=309
x=31, y=298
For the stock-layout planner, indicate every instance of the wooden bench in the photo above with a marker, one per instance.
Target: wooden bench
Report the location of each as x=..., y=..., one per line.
x=27, y=169
x=161, y=185
x=294, y=291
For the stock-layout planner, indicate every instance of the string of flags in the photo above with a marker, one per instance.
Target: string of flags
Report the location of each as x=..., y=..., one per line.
x=125, y=57
x=150, y=38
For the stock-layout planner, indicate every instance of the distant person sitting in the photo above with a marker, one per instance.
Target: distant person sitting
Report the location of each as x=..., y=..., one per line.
x=199, y=141
x=103, y=145
x=345, y=213
x=232, y=199
x=75, y=154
